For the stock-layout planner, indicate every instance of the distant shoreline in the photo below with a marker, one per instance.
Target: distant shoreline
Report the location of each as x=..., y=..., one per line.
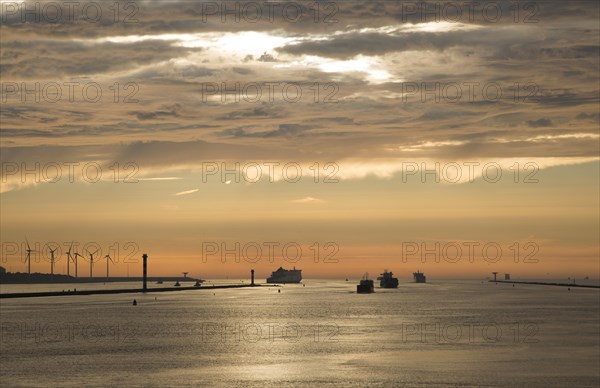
x=37, y=278
x=124, y=291
x=545, y=283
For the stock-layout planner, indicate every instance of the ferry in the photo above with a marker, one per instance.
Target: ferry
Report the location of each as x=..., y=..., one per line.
x=285, y=276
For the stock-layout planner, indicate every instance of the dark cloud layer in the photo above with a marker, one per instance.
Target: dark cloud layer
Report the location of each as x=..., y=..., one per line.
x=352, y=64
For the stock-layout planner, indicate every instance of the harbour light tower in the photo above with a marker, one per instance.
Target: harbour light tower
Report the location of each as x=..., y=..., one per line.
x=145, y=272
x=495, y=274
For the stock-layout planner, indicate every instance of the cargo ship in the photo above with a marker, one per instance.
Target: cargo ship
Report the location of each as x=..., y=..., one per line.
x=419, y=277
x=365, y=286
x=387, y=280
x=285, y=276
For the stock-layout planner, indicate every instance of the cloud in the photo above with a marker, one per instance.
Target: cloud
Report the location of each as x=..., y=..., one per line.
x=284, y=130
x=539, y=123
x=168, y=178
x=308, y=200
x=588, y=116
x=260, y=111
x=171, y=53
x=171, y=111
x=56, y=59
x=267, y=58
x=187, y=192
x=353, y=43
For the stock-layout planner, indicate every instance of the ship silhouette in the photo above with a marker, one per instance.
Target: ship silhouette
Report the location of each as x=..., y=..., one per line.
x=285, y=276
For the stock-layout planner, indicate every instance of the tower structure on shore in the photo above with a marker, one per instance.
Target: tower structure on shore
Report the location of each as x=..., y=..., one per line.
x=145, y=272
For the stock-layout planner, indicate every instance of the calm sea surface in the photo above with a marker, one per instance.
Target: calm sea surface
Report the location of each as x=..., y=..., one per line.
x=445, y=333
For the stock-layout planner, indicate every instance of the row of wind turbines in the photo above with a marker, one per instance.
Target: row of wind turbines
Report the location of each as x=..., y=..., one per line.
x=71, y=257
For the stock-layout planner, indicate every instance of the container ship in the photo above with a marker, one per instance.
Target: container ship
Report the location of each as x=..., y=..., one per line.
x=285, y=276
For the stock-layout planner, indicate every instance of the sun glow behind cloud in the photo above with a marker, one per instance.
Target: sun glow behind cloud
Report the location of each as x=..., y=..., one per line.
x=241, y=45
x=373, y=68
x=238, y=44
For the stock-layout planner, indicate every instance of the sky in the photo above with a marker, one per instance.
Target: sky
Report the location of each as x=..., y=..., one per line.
x=365, y=135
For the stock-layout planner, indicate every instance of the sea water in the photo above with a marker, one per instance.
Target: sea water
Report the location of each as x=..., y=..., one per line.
x=444, y=333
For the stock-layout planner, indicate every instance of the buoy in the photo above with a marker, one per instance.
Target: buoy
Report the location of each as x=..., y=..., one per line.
x=135, y=302
x=279, y=291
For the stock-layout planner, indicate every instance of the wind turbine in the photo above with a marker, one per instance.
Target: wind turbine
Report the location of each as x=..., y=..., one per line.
x=29, y=251
x=52, y=260
x=107, y=257
x=69, y=258
x=77, y=254
x=92, y=260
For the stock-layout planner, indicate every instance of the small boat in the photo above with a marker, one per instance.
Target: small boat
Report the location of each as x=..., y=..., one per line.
x=365, y=286
x=198, y=283
x=177, y=284
x=159, y=282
